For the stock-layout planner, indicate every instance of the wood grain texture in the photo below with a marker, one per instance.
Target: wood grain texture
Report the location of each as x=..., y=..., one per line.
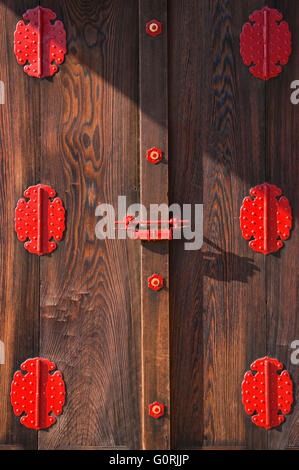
x=154, y=255
x=19, y=274
x=90, y=294
x=282, y=165
x=217, y=153
x=85, y=132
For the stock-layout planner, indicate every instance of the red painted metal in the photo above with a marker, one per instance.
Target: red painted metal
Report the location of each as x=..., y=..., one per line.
x=41, y=219
x=154, y=155
x=37, y=393
x=156, y=410
x=267, y=43
x=155, y=282
x=151, y=234
x=267, y=393
x=266, y=218
x=154, y=28
x=40, y=42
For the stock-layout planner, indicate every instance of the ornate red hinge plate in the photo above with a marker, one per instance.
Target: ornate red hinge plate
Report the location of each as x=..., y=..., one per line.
x=267, y=393
x=266, y=43
x=41, y=219
x=136, y=232
x=37, y=393
x=40, y=42
x=266, y=218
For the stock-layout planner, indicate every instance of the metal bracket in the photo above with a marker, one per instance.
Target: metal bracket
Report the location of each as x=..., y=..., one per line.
x=40, y=219
x=266, y=218
x=37, y=393
x=267, y=43
x=40, y=42
x=267, y=393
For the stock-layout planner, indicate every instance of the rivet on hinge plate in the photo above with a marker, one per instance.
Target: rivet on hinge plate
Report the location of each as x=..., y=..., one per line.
x=266, y=218
x=156, y=410
x=37, y=393
x=267, y=393
x=267, y=43
x=40, y=219
x=40, y=42
x=154, y=28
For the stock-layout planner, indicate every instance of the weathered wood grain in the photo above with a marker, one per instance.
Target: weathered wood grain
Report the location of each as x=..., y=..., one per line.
x=282, y=165
x=154, y=255
x=19, y=273
x=217, y=152
x=79, y=132
x=90, y=293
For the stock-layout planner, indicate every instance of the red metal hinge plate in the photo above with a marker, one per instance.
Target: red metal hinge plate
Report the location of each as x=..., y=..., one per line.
x=40, y=42
x=267, y=393
x=266, y=218
x=37, y=393
x=41, y=219
x=267, y=43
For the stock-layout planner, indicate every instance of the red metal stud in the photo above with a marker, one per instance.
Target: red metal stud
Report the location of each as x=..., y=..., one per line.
x=41, y=219
x=156, y=410
x=37, y=393
x=137, y=229
x=154, y=155
x=266, y=218
x=267, y=393
x=40, y=42
x=154, y=28
x=267, y=43
x=155, y=282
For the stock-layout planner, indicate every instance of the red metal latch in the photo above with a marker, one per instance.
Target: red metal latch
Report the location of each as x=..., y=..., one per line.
x=267, y=43
x=137, y=230
x=266, y=218
x=40, y=219
x=40, y=42
x=267, y=393
x=37, y=393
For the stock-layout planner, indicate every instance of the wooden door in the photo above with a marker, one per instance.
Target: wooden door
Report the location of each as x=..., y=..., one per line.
x=87, y=307
x=228, y=132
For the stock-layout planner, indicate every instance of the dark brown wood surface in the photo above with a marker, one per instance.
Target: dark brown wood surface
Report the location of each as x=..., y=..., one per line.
x=217, y=153
x=154, y=255
x=90, y=293
x=228, y=131
x=87, y=307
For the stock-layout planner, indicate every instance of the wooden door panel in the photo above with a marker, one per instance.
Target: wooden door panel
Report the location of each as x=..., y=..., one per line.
x=19, y=154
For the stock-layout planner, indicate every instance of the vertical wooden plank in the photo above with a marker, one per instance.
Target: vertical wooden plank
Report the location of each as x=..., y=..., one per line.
x=19, y=274
x=282, y=268
x=217, y=153
x=90, y=293
x=154, y=256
